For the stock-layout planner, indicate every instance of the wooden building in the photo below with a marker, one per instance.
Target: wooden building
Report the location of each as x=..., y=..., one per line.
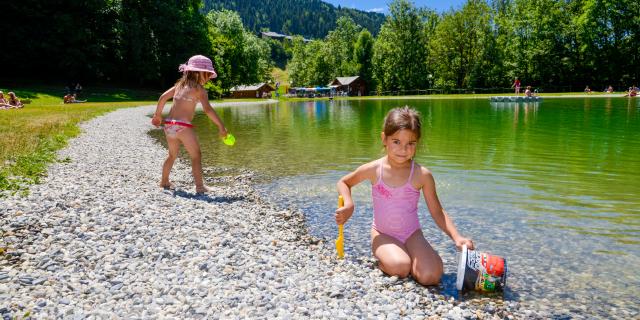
x=279, y=36
x=260, y=90
x=351, y=86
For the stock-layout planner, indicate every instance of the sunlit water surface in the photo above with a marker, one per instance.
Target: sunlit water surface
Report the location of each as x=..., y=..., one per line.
x=552, y=186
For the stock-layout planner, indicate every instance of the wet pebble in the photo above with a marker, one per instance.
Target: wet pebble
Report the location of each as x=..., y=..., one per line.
x=99, y=239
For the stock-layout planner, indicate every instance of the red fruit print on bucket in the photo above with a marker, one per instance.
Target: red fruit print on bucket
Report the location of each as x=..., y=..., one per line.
x=481, y=271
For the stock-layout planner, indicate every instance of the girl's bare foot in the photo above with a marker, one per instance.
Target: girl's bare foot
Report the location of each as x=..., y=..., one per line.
x=167, y=186
x=202, y=189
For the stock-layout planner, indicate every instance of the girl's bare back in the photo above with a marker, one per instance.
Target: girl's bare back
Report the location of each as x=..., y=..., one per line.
x=184, y=103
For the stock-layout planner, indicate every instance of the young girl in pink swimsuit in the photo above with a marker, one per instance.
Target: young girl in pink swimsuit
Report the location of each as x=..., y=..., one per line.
x=396, y=236
x=186, y=93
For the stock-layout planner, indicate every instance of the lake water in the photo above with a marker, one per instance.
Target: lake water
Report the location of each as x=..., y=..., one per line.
x=552, y=186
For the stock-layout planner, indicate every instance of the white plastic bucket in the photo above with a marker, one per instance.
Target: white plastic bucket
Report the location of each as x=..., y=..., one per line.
x=481, y=271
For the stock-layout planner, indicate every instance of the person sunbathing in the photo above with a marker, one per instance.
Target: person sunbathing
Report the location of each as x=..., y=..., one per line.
x=14, y=102
x=67, y=98
x=4, y=104
x=71, y=98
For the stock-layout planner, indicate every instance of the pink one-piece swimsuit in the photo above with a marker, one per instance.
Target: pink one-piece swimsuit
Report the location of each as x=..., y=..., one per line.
x=395, y=210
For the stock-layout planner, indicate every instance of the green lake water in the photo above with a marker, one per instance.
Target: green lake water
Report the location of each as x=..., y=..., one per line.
x=553, y=186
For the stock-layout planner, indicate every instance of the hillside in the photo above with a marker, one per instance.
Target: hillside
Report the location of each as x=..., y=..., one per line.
x=309, y=18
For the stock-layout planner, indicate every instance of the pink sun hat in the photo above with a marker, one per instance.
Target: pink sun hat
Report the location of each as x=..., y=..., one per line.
x=199, y=63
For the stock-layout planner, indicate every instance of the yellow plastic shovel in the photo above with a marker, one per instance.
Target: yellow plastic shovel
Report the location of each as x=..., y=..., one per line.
x=340, y=240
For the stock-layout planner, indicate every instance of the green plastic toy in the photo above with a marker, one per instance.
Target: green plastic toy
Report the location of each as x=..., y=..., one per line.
x=229, y=139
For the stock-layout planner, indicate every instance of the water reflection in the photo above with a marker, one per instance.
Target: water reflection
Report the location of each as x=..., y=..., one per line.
x=565, y=157
x=556, y=181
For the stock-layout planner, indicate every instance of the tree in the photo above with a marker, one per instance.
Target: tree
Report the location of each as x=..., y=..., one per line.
x=542, y=43
x=152, y=47
x=53, y=40
x=296, y=66
x=320, y=61
x=339, y=48
x=241, y=57
x=459, y=45
x=400, y=55
x=309, y=65
x=279, y=53
x=312, y=19
x=604, y=30
x=363, y=54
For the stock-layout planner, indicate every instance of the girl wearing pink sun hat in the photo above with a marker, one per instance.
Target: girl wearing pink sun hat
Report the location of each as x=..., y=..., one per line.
x=186, y=94
x=199, y=63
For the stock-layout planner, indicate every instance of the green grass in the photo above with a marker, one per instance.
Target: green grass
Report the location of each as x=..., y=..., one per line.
x=30, y=137
x=49, y=95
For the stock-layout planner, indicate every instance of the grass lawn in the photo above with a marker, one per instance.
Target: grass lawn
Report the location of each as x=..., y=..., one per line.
x=30, y=136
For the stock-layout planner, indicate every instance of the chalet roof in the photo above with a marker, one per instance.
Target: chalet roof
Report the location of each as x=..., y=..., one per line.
x=345, y=81
x=276, y=35
x=252, y=87
x=272, y=34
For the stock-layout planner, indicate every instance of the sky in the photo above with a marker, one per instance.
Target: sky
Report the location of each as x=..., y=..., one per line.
x=381, y=5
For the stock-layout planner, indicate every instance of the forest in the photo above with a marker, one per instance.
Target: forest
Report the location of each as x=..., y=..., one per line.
x=552, y=45
x=555, y=45
x=311, y=19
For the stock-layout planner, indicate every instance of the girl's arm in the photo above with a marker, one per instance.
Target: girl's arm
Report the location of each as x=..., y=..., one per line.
x=439, y=215
x=208, y=109
x=364, y=172
x=157, y=116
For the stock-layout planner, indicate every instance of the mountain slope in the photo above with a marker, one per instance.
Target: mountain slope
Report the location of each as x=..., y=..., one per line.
x=309, y=18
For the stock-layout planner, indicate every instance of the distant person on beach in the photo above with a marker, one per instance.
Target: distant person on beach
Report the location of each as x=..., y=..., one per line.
x=610, y=89
x=516, y=84
x=632, y=92
x=186, y=93
x=397, y=240
x=528, y=92
x=587, y=89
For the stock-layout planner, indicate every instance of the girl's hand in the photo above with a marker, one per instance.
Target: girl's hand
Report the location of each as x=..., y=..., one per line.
x=222, y=133
x=462, y=241
x=343, y=214
x=156, y=120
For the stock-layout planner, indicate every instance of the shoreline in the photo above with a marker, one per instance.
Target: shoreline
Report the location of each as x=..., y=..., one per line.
x=486, y=96
x=99, y=238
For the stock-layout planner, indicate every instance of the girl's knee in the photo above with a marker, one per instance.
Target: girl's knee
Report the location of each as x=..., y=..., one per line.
x=172, y=156
x=197, y=156
x=427, y=278
x=397, y=267
x=428, y=274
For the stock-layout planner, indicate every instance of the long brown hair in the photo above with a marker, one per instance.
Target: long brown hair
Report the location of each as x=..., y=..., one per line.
x=402, y=118
x=190, y=79
x=12, y=98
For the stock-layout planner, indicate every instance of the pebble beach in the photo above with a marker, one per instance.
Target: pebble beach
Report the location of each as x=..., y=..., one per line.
x=99, y=239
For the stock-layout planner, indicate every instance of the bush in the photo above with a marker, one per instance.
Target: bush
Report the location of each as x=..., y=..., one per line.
x=214, y=90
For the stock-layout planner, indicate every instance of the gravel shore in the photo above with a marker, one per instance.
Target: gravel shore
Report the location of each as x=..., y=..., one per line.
x=99, y=239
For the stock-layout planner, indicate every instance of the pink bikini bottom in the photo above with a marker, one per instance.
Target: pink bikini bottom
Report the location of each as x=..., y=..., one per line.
x=172, y=127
